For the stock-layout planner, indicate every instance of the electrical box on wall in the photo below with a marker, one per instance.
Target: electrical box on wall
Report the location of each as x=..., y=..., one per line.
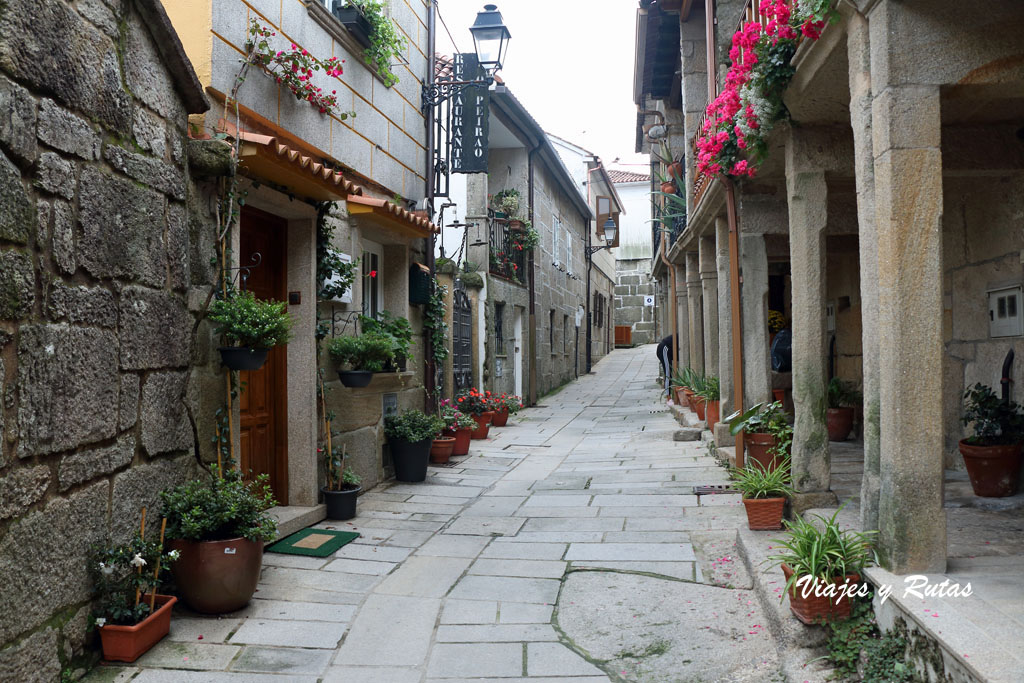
x=1005, y=317
x=830, y=316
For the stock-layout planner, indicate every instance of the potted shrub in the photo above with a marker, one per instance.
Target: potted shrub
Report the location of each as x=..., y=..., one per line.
x=480, y=406
x=342, y=485
x=816, y=553
x=993, y=453
x=129, y=614
x=506, y=203
x=504, y=406
x=410, y=435
x=711, y=393
x=441, y=447
x=251, y=326
x=764, y=493
x=842, y=397
x=767, y=433
x=218, y=524
x=458, y=425
x=398, y=330
x=365, y=355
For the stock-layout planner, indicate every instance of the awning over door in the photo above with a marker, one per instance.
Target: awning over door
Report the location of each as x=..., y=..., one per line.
x=392, y=215
x=266, y=157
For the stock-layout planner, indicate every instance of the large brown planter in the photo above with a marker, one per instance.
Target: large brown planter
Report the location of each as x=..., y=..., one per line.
x=462, y=437
x=712, y=411
x=500, y=418
x=441, y=449
x=688, y=395
x=764, y=513
x=815, y=609
x=994, y=470
x=483, y=425
x=840, y=423
x=128, y=643
x=215, y=577
x=699, y=407
x=758, y=447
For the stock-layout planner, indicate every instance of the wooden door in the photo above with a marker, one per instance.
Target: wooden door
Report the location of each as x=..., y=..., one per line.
x=263, y=401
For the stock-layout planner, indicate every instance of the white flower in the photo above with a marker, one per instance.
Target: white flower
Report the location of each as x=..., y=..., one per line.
x=106, y=569
x=101, y=622
x=173, y=555
x=137, y=561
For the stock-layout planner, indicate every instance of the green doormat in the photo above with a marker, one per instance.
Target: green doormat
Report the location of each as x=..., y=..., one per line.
x=313, y=542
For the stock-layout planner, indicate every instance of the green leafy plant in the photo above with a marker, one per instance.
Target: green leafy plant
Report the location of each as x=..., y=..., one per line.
x=842, y=394
x=475, y=402
x=995, y=421
x=822, y=550
x=250, y=322
x=507, y=202
x=122, y=573
x=220, y=507
x=412, y=426
x=387, y=324
x=754, y=481
x=434, y=321
x=760, y=418
x=525, y=239
x=386, y=43
x=453, y=417
x=710, y=389
x=859, y=651
x=368, y=352
x=339, y=477
x=511, y=402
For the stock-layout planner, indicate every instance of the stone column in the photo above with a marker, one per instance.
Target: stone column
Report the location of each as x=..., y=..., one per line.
x=757, y=382
x=695, y=317
x=858, y=49
x=808, y=213
x=906, y=131
x=682, y=317
x=725, y=365
x=709, y=289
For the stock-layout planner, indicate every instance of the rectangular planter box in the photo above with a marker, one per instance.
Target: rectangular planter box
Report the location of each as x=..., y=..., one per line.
x=354, y=22
x=128, y=643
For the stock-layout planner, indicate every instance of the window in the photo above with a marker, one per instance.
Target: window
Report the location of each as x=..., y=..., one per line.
x=551, y=330
x=372, y=279
x=499, y=329
x=565, y=334
x=568, y=248
x=1004, y=312
x=556, y=233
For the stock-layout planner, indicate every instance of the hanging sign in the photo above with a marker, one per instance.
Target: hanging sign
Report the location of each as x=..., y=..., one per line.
x=469, y=113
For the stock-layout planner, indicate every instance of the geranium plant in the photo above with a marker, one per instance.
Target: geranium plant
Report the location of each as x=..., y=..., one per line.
x=124, y=576
x=474, y=402
x=455, y=418
x=508, y=401
x=734, y=138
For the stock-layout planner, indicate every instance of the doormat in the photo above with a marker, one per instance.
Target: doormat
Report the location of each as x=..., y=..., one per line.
x=313, y=542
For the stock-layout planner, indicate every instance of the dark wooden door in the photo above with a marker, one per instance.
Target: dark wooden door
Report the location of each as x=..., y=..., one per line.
x=263, y=402
x=462, y=339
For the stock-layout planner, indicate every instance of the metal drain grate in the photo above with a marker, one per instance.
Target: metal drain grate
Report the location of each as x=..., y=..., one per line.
x=713, y=488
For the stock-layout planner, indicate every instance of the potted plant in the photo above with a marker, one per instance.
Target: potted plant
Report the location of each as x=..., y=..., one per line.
x=764, y=493
x=410, y=435
x=251, y=326
x=441, y=447
x=711, y=393
x=767, y=433
x=365, y=354
x=842, y=397
x=993, y=453
x=816, y=553
x=351, y=16
x=218, y=524
x=480, y=406
x=341, y=488
x=130, y=615
x=506, y=203
x=398, y=330
x=369, y=23
x=504, y=406
x=458, y=425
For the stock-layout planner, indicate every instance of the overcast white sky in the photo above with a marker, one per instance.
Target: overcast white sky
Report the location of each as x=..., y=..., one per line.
x=569, y=62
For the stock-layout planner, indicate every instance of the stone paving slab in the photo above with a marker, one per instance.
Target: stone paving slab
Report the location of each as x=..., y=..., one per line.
x=671, y=552
x=168, y=654
x=476, y=660
x=209, y=629
x=424, y=576
x=281, y=660
x=386, y=620
x=485, y=526
x=311, y=611
x=499, y=633
x=257, y=631
x=164, y=676
x=371, y=674
x=541, y=569
x=507, y=549
x=512, y=589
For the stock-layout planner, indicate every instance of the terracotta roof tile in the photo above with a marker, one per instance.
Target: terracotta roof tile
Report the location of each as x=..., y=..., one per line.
x=628, y=176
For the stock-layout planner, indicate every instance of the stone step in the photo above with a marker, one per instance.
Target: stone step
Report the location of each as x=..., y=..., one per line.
x=292, y=518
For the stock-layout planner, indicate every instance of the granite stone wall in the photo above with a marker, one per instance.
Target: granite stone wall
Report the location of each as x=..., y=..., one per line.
x=101, y=235
x=634, y=282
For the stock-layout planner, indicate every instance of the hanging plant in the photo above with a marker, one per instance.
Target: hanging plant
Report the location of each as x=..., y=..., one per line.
x=387, y=45
x=734, y=139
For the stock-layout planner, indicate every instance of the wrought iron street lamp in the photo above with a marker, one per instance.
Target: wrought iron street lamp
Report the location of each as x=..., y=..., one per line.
x=490, y=42
x=610, y=232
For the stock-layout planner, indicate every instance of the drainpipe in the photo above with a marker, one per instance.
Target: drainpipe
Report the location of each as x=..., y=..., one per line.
x=590, y=266
x=734, y=291
x=429, y=365
x=532, y=285
x=674, y=303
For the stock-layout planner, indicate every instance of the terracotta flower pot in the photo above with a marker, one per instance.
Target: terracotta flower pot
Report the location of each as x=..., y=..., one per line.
x=758, y=446
x=675, y=170
x=500, y=418
x=699, y=407
x=441, y=449
x=462, y=437
x=779, y=395
x=815, y=609
x=128, y=643
x=668, y=187
x=994, y=470
x=764, y=513
x=688, y=397
x=840, y=423
x=712, y=411
x=215, y=577
x=483, y=425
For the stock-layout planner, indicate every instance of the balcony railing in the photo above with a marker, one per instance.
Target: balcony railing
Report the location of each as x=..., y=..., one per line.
x=701, y=181
x=507, y=257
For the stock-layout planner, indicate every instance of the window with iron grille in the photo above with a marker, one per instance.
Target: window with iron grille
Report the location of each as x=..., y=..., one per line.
x=565, y=334
x=499, y=329
x=551, y=330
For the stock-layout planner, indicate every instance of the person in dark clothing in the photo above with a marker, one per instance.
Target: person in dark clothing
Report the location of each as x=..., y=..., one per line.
x=664, y=352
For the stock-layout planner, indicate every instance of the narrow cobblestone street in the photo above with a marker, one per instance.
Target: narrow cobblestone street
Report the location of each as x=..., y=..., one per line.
x=569, y=547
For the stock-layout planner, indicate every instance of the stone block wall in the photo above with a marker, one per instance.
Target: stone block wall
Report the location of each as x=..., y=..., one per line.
x=104, y=251
x=634, y=282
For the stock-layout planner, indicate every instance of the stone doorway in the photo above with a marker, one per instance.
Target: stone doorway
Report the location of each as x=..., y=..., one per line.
x=263, y=399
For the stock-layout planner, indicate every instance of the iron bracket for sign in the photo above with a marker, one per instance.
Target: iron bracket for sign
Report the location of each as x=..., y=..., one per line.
x=439, y=91
x=245, y=271
x=593, y=250
x=347, y=317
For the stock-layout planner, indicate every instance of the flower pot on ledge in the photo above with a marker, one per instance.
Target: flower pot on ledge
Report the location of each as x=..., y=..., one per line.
x=354, y=22
x=355, y=378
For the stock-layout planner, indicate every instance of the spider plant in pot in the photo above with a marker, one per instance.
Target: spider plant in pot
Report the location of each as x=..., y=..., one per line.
x=992, y=453
x=767, y=433
x=842, y=397
x=364, y=355
x=711, y=393
x=251, y=326
x=764, y=493
x=409, y=437
x=818, y=558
